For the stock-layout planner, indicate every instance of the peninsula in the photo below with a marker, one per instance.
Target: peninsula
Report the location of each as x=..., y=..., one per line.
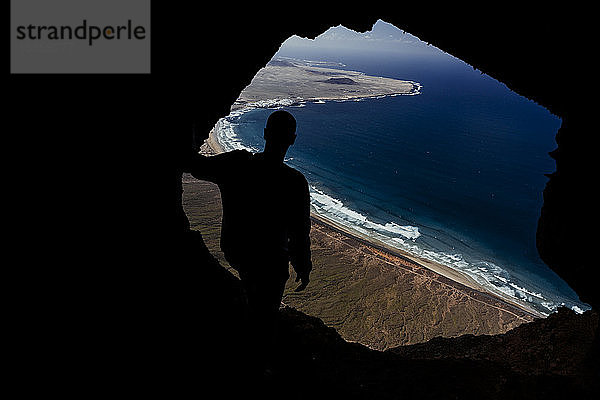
x=295, y=81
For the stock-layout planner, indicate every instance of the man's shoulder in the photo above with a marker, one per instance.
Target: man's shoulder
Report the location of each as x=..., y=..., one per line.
x=296, y=175
x=239, y=155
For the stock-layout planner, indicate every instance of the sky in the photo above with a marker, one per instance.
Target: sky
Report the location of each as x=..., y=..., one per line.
x=383, y=36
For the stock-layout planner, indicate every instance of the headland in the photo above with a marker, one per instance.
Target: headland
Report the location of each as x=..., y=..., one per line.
x=294, y=81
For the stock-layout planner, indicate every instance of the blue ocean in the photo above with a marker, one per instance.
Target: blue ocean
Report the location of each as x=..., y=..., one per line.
x=453, y=174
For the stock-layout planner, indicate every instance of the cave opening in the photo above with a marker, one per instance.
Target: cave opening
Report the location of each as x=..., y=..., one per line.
x=412, y=151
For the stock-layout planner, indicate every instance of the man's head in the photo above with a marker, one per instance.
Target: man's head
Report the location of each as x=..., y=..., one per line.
x=281, y=129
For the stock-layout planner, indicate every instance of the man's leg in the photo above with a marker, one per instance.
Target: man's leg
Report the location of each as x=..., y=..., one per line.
x=264, y=292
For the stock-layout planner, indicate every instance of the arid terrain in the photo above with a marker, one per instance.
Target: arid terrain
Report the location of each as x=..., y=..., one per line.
x=296, y=82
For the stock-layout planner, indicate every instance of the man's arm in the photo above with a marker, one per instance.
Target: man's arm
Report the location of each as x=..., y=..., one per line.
x=216, y=168
x=299, y=243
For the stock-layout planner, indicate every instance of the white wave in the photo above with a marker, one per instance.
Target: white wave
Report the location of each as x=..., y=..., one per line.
x=409, y=232
x=549, y=305
x=521, y=289
x=506, y=290
x=577, y=310
x=225, y=127
x=274, y=103
x=416, y=89
x=336, y=210
x=226, y=135
x=451, y=260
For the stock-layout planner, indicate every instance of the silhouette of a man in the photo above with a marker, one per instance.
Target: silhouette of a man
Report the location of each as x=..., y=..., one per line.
x=266, y=216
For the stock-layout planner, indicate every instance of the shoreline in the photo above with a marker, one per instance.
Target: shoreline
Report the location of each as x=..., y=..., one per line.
x=245, y=105
x=390, y=254
x=454, y=276
x=213, y=143
x=293, y=82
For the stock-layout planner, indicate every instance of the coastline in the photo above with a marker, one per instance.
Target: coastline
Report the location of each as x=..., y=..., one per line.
x=291, y=83
x=213, y=143
x=244, y=105
x=404, y=259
